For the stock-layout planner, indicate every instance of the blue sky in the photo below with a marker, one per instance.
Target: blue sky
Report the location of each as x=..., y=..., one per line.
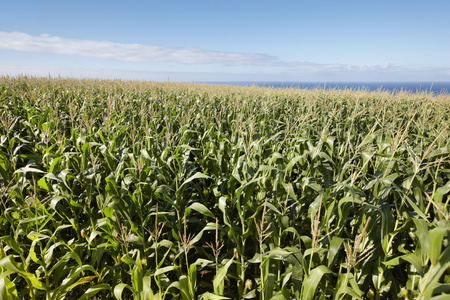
x=214, y=40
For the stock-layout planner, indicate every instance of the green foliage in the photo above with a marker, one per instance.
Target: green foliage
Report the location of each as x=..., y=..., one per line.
x=144, y=190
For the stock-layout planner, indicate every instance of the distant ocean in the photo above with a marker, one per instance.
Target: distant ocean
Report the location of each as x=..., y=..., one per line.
x=436, y=87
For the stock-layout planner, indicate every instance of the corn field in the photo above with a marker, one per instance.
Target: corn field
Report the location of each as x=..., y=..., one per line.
x=146, y=190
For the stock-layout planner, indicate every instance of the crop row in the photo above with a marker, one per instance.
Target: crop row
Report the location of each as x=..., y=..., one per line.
x=141, y=190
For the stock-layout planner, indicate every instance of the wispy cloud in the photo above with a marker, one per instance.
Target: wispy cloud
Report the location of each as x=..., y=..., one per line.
x=154, y=53
x=127, y=52
x=254, y=66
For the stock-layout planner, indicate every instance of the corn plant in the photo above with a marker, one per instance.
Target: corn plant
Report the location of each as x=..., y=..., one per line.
x=152, y=190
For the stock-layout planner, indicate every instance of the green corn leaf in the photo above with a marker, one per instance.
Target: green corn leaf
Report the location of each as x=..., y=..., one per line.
x=92, y=291
x=12, y=243
x=273, y=208
x=430, y=279
x=440, y=192
x=209, y=226
x=137, y=276
x=240, y=189
x=269, y=285
x=210, y=296
x=9, y=264
x=7, y=288
x=110, y=160
x=290, y=230
x=202, y=209
x=5, y=171
x=72, y=280
x=203, y=262
x=147, y=291
x=3, y=290
x=410, y=257
x=279, y=297
x=48, y=254
x=436, y=235
x=33, y=255
x=223, y=208
x=278, y=253
x=219, y=279
x=355, y=288
x=128, y=260
x=387, y=226
x=422, y=238
x=250, y=295
x=348, y=291
x=293, y=161
x=28, y=169
x=441, y=297
x=193, y=277
x=54, y=167
x=82, y=280
x=165, y=270
x=185, y=289
x=63, y=260
x=118, y=290
x=312, y=281
x=5, y=274
x=197, y=175
x=335, y=246
x=42, y=183
x=326, y=157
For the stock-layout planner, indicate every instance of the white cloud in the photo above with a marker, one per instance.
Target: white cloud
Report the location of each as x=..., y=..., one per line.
x=240, y=66
x=127, y=52
x=153, y=53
